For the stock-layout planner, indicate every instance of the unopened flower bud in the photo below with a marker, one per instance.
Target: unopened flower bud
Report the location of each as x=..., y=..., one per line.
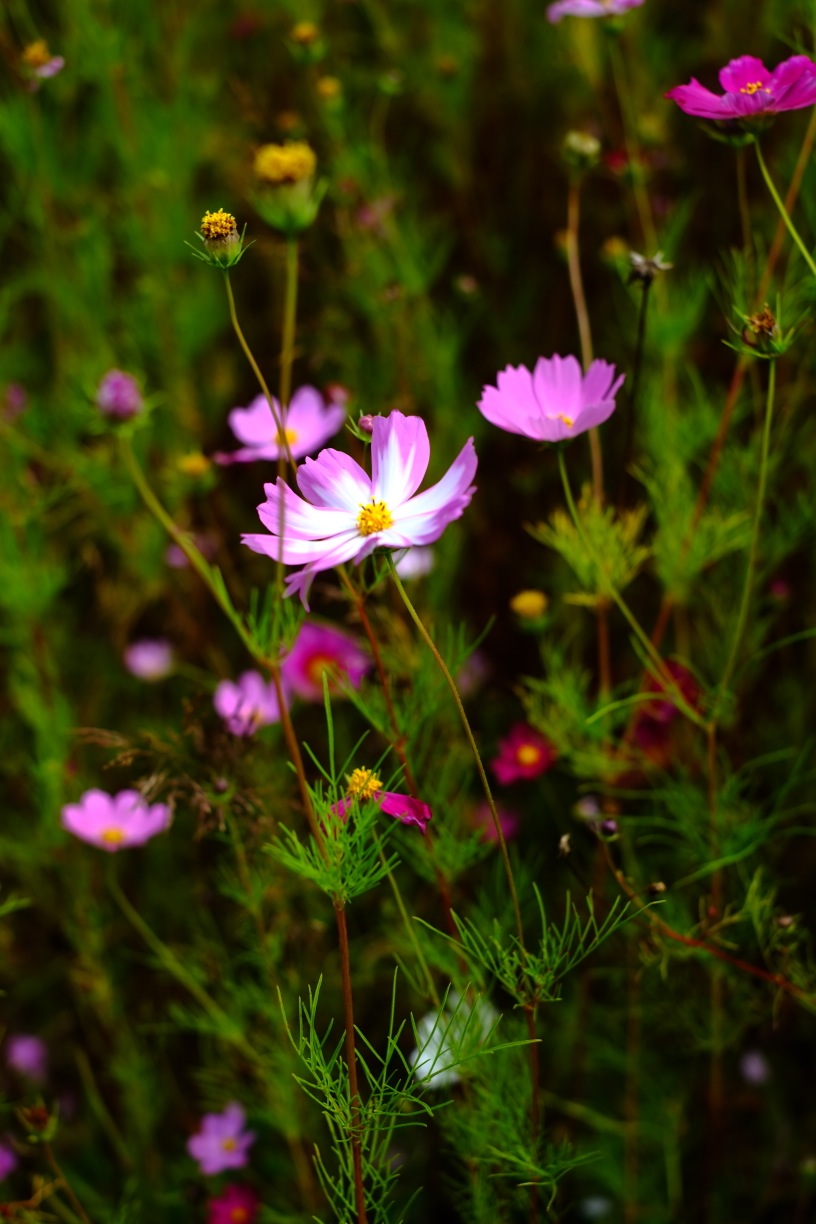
x=329, y=88
x=304, y=33
x=529, y=605
x=609, y=827
x=564, y=847
x=366, y=423
x=656, y=889
x=223, y=245
x=581, y=150
x=118, y=395
x=288, y=198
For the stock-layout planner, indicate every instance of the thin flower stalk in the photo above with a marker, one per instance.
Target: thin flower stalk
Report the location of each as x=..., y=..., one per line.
x=630, y=140
x=584, y=329
x=783, y=212
x=351, y=1060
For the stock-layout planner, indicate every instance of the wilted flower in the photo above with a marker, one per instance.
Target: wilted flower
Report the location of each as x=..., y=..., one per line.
x=222, y=1143
x=320, y=650
x=118, y=395
x=39, y=62
x=555, y=402
x=415, y=563
x=8, y=1159
x=236, y=1205
x=27, y=1055
x=248, y=703
x=590, y=8
x=149, y=658
x=363, y=785
x=751, y=90
x=350, y=514
x=523, y=753
x=644, y=269
x=482, y=819
x=458, y=1030
x=308, y=423
x=115, y=822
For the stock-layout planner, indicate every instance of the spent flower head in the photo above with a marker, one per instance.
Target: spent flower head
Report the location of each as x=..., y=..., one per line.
x=581, y=150
x=363, y=786
x=350, y=514
x=221, y=1143
x=555, y=402
x=115, y=822
x=223, y=246
x=753, y=94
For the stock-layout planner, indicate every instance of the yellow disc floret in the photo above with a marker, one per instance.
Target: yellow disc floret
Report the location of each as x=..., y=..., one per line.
x=286, y=163
x=362, y=784
x=374, y=517
x=113, y=836
x=529, y=605
x=287, y=437
x=528, y=754
x=754, y=87
x=36, y=54
x=218, y=226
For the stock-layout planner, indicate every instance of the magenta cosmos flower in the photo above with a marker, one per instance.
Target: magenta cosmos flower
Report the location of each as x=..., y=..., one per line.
x=248, y=703
x=482, y=821
x=522, y=754
x=149, y=659
x=237, y=1205
x=308, y=423
x=349, y=514
x=364, y=785
x=28, y=1055
x=115, y=822
x=751, y=90
x=222, y=1143
x=118, y=395
x=554, y=403
x=318, y=650
x=590, y=8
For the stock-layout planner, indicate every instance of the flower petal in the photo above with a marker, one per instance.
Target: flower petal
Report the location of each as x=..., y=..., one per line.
x=400, y=452
x=334, y=480
x=423, y=519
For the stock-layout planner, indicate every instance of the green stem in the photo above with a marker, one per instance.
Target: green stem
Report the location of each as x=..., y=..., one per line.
x=351, y=1060
x=630, y=140
x=289, y=317
x=742, y=615
x=666, y=677
x=582, y=314
x=783, y=212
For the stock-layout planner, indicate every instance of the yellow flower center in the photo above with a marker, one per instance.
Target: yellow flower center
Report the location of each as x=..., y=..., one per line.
x=528, y=755
x=113, y=836
x=239, y=1215
x=362, y=784
x=317, y=666
x=754, y=87
x=36, y=54
x=218, y=226
x=374, y=517
x=288, y=435
x=286, y=163
x=229, y=1145
x=529, y=604
x=304, y=33
x=568, y=421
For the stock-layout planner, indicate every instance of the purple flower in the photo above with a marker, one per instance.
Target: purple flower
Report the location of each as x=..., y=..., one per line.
x=149, y=658
x=115, y=822
x=751, y=90
x=363, y=785
x=523, y=753
x=16, y=400
x=554, y=403
x=237, y=1205
x=590, y=8
x=8, y=1159
x=28, y=1055
x=308, y=423
x=222, y=1143
x=350, y=514
x=320, y=649
x=247, y=704
x=118, y=395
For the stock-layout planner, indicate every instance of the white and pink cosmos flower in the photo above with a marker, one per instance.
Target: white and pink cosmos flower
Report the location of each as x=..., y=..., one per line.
x=308, y=423
x=349, y=514
x=555, y=402
x=115, y=822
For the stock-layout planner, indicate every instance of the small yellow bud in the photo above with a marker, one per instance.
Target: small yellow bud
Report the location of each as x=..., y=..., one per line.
x=529, y=605
x=304, y=33
x=194, y=464
x=36, y=54
x=329, y=88
x=218, y=227
x=277, y=164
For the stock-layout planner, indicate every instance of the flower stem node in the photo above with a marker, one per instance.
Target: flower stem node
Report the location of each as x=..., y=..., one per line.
x=223, y=245
x=288, y=195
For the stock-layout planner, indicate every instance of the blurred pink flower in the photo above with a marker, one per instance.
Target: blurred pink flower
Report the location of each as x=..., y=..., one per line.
x=8, y=1159
x=555, y=402
x=319, y=649
x=523, y=753
x=28, y=1055
x=590, y=8
x=118, y=395
x=222, y=1143
x=482, y=819
x=415, y=563
x=364, y=785
x=149, y=658
x=248, y=703
x=115, y=822
x=16, y=400
x=235, y=1205
x=308, y=424
x=751, y=90
x=176, y=557
x=350, y=514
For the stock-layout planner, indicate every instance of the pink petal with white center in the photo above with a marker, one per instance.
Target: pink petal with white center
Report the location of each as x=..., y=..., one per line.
x=301, y=520
x=307, y=552
x=400, y=452
x=557, y=387
x=334, y=480
x=423, y=519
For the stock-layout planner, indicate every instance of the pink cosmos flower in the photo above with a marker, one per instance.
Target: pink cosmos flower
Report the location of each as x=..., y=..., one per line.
x=28, y=1055
x=222, y=1143
x=349, y=514
x=318, y=649
x=115, y=822
x=237, y=1205
x=118, y=395
x=363, y=784
x=149, y=658
x=415, y=563
x=590, y=8
x=751, y=90
x=554, y=403
x=522, y=754
x=247, y=704
x=8, y=1159
x=482, y=819
x=308, y=423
